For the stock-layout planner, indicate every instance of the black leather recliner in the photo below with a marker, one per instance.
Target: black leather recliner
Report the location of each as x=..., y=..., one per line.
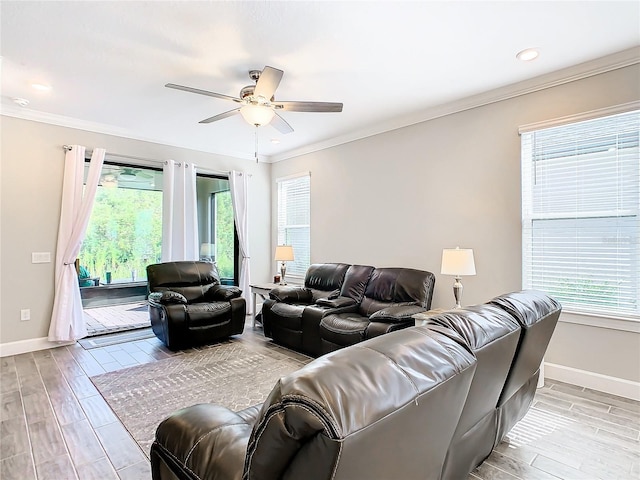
x=292, y=314
x=189, y=306
x=391, y=297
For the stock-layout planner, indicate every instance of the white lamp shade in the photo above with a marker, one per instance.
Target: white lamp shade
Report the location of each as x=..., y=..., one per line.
x=257, y=114
x=207, y=250
x=458, y=262
x=284, y=253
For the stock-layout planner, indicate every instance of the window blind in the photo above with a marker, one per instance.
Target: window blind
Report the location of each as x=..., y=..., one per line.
x=294, y=222
x=580, y=212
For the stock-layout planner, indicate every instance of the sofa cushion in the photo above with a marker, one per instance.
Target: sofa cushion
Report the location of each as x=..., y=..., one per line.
x=325, y=276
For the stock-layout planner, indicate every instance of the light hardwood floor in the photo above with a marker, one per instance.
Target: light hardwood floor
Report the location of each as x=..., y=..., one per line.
x=55, y=425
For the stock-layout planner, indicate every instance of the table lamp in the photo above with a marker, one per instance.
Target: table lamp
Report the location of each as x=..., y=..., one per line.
x=207, y=252
x=284, y=253
x=457, y=262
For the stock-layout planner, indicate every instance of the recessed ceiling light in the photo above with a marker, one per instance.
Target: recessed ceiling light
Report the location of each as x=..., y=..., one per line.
x=41, y=87
x=23, y=102
x=275, y=141
x=528, y=54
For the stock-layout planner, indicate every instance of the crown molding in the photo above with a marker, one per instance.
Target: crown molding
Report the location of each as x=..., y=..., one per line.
x=70, y=122
x=605, y=64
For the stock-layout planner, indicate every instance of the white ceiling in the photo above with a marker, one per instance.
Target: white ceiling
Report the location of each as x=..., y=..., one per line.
x=388, y=62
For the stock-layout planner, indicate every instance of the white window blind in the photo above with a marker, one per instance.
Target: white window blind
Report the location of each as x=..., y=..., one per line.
x=580, y=210
x=294, y=221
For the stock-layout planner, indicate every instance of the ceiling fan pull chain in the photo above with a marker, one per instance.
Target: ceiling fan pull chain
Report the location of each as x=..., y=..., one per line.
x=256, y=149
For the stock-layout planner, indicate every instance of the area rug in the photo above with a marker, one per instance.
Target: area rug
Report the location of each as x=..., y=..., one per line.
x=233, y=374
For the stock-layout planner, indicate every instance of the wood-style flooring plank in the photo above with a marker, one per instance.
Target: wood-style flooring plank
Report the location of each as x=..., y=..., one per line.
x=37, y=407
x=139, y=471
x=14, y=438
x=121, y=449
x=46, y=441
x=100, y=470
x=98, y=411
x=82, y=443
x=18, y=467
x=10, y=405
x=58, y=468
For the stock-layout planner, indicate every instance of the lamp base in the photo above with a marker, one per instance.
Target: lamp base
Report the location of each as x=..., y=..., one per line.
x=283, y=271
x=457, y=292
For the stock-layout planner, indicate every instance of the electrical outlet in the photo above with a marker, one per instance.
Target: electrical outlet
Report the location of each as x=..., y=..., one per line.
x=25, y=314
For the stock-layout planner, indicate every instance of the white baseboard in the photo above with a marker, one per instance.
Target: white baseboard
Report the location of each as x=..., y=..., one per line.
x=596, y=381
x=26, y=346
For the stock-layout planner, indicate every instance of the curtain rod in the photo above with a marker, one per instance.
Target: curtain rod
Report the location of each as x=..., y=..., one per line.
x=148, y=160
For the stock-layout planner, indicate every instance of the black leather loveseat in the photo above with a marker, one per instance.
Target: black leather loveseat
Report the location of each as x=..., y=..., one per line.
x=188, y=306
x=341, y=304
x=428, y=402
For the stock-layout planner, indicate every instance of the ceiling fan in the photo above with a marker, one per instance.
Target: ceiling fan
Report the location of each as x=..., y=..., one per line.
x=257, y=103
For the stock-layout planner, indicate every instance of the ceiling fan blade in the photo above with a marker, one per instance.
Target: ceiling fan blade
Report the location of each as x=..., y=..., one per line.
x=268, y=82
x=220, y=116
x=309, y=106
x=202, y=92
x=281, y=124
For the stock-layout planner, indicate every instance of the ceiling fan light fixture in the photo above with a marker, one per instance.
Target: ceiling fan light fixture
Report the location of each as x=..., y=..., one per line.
x=257, y=115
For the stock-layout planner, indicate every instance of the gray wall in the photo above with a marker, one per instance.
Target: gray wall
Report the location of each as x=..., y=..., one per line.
x=399, y=198
x=31, y=168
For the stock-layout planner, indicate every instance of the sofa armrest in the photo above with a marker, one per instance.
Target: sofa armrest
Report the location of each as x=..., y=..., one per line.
x=291, y=294
x=167, y=297
x=200, y=440
x=339, y=302
x=223, y=292
x=396, y=313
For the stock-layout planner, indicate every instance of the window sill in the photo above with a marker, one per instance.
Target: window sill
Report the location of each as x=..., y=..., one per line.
x=625, y=324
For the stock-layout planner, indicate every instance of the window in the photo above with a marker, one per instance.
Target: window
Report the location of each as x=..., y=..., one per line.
x=216, y=227
x=294, y=221
x=124, y=233
x=580, y=210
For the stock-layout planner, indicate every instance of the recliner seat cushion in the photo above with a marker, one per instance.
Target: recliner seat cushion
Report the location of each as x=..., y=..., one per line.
x=204, y=314
x=344, y=328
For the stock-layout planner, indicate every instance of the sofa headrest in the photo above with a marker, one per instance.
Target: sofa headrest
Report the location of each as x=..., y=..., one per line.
x=355, y=281
x=190, y=278
x=479, y=325
x=527, y=306
x=401, y=285
x=325, y=276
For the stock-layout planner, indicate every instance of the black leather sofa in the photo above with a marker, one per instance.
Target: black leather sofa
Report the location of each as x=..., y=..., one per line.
x=427, y=402
x=341, y=304
x=188, y=305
